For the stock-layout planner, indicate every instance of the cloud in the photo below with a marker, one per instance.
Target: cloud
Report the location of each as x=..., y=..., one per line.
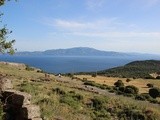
x=118, y=34
x=94, y=4
x=150, y=3
x=144, y=4
x=70, y=25
x=104, y=28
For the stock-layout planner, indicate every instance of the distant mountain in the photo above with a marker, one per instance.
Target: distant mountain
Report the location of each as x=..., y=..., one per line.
x=137, y=69
x=77, y=51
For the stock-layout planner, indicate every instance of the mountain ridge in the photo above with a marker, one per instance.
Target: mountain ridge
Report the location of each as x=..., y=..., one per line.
x=81, y=51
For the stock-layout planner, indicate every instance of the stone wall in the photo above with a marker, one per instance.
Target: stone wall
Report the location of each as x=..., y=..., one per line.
x=17, y=105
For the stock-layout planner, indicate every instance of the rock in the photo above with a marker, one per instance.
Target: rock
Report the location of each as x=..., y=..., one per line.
x=5, y=84
x=30, y=112
x=16, y=97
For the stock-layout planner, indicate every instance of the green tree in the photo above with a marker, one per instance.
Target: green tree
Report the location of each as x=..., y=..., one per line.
x=5, y=45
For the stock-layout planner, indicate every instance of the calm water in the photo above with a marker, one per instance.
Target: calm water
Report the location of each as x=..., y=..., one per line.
x=54, y=64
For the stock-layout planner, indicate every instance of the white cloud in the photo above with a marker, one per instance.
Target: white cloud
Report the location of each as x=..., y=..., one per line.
x=69, y=25
x=94, y=4
x=118, y=34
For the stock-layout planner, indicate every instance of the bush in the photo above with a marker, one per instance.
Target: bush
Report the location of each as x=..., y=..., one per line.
x=98, y=103
x=131, y=89
x=129, y=114
x=94, y=75
x=1, y=111
x=119, y=83
x=128, y=80
x=28, y=68
x=145, y=96
x=150, y=85
x=154, y=92
x=78, y=97
x=67, y=99
x=121, y=89
x=58, y=91
x=158, y=77
x=149, y=77
x=84, y=79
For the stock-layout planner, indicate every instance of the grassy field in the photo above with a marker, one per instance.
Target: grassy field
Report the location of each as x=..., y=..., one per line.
x=62, y=100
x=140, y=83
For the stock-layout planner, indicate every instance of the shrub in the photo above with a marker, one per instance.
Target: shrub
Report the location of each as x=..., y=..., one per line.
x=94, y=75
x=158, y=77
x=119, y=83
x=1, y=111
x=121, y=89
x=146, y=96
x=154, y=92
x=58, y=91
x=98, y=103
x=91, y=83
x=28, y=68
x=149, y=77
x=150, y=85
x=67, y=99
x=78, y=97
x=131, y=89
x=84, y=79
x=131, y=114
x=128, y=80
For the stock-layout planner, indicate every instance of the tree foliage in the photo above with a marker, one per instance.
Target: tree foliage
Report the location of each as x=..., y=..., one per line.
x=5, y=45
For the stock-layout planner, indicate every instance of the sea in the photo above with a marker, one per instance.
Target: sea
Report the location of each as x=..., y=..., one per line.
x=73, y=64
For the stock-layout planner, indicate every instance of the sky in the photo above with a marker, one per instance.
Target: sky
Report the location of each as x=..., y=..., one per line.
x=110, y=25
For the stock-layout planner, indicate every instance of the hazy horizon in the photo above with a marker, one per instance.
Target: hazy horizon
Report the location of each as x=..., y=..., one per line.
x=120, y=25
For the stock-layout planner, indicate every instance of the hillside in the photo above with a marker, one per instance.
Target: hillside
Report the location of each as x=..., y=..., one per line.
x=70, y=99
x=138, y=69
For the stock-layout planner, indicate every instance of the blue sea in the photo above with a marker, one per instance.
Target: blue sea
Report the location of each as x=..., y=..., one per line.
x=72, y=64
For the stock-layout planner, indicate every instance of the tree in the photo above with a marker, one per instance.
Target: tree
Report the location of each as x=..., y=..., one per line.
x=5, y=46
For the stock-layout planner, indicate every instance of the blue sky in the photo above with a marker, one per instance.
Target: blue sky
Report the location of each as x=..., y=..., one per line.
x=113, y=25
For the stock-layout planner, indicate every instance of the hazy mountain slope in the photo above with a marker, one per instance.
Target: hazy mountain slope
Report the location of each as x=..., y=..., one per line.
x=140, y=69
x=77, y=51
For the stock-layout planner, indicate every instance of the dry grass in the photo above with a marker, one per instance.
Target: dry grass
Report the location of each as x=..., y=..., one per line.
x=51, y=108
x=140, y=83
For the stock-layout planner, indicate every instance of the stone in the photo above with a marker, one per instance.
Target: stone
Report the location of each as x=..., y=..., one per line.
x=5, y=84
x=16, y=97
x=30, y=112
